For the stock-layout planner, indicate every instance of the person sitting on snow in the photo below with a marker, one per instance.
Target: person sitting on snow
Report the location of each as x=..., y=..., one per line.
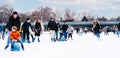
x=15, y=38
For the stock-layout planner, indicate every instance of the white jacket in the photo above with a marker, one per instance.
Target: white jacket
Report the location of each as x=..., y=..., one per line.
x=70, y=30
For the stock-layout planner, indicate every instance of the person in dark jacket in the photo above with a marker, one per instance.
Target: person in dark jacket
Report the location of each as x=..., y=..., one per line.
x=64, y=29
x=118, y=30
x=38, y=29
x=14, y=20
x=56, y=31
x=52, y=26
x=77, y=29
x=96, y=28
x=25, y=27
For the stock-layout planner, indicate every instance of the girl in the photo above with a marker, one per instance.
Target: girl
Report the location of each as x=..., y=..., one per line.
x=70, y=31
x=37, y=29
x=96, y=28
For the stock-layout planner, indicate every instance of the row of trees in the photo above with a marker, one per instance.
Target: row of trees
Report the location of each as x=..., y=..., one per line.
x=45, y=13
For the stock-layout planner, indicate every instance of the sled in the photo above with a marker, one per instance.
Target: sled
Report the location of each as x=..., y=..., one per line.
x=15, y=46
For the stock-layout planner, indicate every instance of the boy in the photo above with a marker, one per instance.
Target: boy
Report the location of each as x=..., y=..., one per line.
x=15, y=36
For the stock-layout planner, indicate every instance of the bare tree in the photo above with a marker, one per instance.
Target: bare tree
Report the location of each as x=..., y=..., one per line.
x=57, y=13
x=69, y=14
x=42, y=13
x=5, y=12
x=24, y=16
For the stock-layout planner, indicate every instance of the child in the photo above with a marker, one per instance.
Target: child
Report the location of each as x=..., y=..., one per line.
x=25, y=27
x=105, y=30
x=81, y=31
x=15, y=38
x=70, y=31
x=85, y=30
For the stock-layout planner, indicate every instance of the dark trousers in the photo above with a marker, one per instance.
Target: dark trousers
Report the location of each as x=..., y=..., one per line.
x=65, y=34
x=56, y=33
x=32, y=37
x=70, y=35
x=97, y=34
x=24, y=35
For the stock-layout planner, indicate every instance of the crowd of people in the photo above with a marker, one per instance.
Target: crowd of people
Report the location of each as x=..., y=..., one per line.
x=18, y=32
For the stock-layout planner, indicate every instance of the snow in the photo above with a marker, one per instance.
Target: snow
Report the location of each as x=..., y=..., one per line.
x=86, y=46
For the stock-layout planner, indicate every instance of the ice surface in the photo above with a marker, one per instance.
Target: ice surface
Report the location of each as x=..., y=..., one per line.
x=86, y=46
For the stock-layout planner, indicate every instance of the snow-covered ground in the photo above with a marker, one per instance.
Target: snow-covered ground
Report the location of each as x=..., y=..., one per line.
x=86, y=46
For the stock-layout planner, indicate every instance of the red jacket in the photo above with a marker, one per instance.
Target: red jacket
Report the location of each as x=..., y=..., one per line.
x=15, y=35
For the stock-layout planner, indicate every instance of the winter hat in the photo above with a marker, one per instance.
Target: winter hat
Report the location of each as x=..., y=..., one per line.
x=14, y=12
x=28, y=19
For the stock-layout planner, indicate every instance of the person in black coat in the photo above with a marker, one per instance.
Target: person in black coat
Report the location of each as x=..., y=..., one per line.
x=96, y=28
x=25, y=27
x=38, y=29
x=14, y=20
x=77, y=29
x=118, y=26
x=52, y=26
x=64, y=29
x=56, y=31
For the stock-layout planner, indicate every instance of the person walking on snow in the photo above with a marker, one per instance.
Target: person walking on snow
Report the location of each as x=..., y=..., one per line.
x=96, y=28
x=38, y=30
x=25, y=27
x=70, y=31
x=52, y=26
x=64, y=29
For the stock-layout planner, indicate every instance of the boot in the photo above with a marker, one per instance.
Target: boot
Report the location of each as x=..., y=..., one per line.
x=6, y=47
x=29, y=41
x=33, y=39
x=54, y=40
x=38, y=40
x=22, y=47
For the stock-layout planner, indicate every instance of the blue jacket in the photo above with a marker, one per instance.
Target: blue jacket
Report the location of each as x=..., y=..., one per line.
x=1, y=28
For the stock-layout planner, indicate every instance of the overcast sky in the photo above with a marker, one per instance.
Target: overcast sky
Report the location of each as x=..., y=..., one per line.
x=108, y=8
